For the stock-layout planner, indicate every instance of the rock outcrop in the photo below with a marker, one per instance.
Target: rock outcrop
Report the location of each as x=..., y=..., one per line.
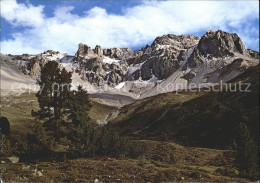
x=163, y=57
x=83, y=50
x=217, y=44
x=102, y=66
x=119, y=53
x=98, y=50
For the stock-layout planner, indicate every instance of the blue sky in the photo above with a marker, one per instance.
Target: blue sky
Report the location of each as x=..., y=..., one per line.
x=35, y=26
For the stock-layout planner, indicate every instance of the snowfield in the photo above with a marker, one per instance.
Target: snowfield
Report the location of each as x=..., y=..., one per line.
x=110, y=60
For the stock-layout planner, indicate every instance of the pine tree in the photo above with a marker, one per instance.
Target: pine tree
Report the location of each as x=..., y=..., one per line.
x=81, y=130
x=79, y=106
x=247, y=153
x=53, y=96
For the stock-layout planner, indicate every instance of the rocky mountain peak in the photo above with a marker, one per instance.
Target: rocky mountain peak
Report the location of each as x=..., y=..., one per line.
x=177, y=42
x=102, y=66
x=219, y=43
x=114, y=53
x=83, y=50
x=98, y=50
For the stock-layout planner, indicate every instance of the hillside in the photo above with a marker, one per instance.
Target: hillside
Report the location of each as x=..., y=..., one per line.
x=208, y=119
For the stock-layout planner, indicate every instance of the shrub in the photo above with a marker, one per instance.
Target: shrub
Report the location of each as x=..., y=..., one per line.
x=39, y=143
x=110, y=143
x=4, y=126
x=82, y=137
x=5, y=147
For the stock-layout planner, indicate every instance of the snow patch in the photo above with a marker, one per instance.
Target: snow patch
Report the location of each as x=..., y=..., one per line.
x=133, y=68
x=108, y=76
x=54, y=56
x=160, y=47
x=153, y=78
x=120, y=85
x=110, y=60
x=67, y=59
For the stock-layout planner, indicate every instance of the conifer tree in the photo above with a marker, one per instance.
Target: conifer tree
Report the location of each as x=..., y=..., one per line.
x=81, y=130
x=247, y=153
x=53, y=95
x=79, y=106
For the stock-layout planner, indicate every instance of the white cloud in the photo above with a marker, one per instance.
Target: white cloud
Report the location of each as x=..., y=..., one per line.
x=137, y=26
x=22, y=14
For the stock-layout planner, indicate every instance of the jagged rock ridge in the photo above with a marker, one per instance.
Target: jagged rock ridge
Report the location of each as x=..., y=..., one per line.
x=169, y=59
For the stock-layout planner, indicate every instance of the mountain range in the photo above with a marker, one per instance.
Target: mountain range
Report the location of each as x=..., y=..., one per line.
x=170, y=63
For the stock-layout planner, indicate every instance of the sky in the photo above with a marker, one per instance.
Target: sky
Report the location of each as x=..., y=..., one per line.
x=34, y=26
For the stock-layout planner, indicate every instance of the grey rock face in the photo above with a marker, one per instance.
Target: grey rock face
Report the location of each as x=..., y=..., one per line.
x=119, y=53
x=34, y=67
x=217, y=44
x=94, y=68
x=176, y=42
x=160, y=67
x=253, y=54
x=163, y=57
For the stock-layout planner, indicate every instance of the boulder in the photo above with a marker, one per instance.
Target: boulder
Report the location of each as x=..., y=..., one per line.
x=14, y=159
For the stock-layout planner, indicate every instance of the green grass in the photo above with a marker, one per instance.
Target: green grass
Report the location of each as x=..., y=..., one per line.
x=17, y=109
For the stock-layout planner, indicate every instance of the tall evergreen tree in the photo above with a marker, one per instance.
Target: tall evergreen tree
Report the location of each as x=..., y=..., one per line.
x=81, y=131
x=79, y=106
x=247, y=153
x=53, y=95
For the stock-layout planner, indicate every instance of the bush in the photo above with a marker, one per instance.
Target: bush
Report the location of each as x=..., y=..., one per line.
x=4, y=126
x=5, y=147
x=39, y=143
x=82, y=140
x=20, y=145
x=110, y=143
x=28, y=146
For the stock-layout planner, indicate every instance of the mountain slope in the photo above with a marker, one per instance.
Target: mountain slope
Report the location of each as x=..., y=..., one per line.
x=12, y=79
x=209, y=120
